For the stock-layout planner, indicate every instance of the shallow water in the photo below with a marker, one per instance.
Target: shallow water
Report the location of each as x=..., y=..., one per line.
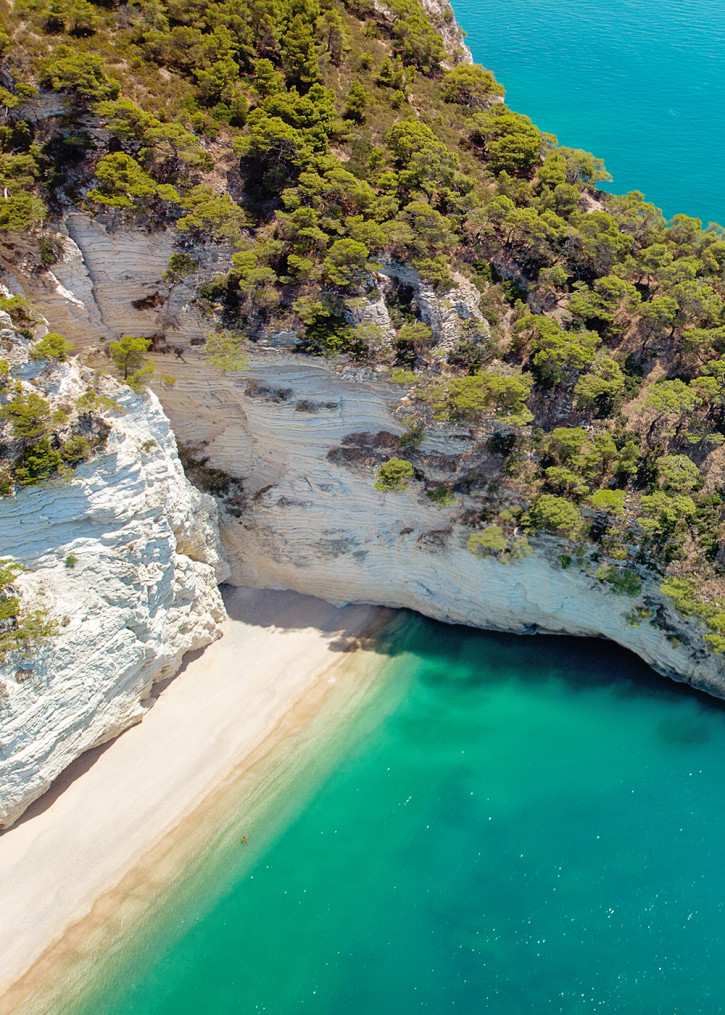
x=510, y=825
x=641, y=83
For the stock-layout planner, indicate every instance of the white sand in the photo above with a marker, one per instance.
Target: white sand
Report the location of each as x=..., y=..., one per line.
x=131, y=794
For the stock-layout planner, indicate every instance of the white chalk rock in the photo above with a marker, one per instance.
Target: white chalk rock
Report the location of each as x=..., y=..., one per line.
x=126, y=557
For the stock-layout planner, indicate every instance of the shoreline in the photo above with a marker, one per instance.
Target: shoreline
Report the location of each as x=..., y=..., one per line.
x=75, y=872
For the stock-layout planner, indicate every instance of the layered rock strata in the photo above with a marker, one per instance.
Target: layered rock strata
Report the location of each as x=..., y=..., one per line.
x=306, y=442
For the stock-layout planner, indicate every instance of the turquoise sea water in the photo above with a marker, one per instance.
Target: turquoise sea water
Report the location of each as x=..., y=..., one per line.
x=509, y=825
x=641, y=83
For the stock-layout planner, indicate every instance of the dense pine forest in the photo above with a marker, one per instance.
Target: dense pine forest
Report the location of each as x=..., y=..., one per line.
x=317, y=141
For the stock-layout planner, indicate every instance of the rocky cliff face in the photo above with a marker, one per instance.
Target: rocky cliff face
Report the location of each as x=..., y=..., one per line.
x=302, y=438
x=305, y=439
x=109, y=281
x=443, y=19
x=441, y=14
x=124, y=555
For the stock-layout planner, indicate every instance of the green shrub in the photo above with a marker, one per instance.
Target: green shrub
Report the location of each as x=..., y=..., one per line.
x=495, y=391
x=557, y=515
x=53, y=346
x=91, y=401
x=20, y=630
x=603, y=388
x=406, y=377
x=50, y=250
x=716, y=642
x=684, y=597
x=512, y=143
x=357, y=102
x=75, y=449
x=665, y=514
x=131, y=363
x=20, y=213
x=492, y=542
x=566, y=480
x=635, y=617
x=79, y=73
x=36, y=463
x=471, y=86
x=623, y=582
x=226, y=351
x=209, y=213
x=76, y=17
x=412, y=438
x=29, y=414
x=6, y=481
x=125, y=184
x=180, y=265
x=611, y=501
x=19, y=310
x=489, y=542
x=441, y=496
x=326, y=332
x=394, y=475
x=678, y=473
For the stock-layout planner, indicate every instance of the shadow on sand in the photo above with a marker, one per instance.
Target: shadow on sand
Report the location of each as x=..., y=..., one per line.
x=486, y=658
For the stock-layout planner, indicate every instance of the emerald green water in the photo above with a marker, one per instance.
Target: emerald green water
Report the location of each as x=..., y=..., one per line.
x=507, y=825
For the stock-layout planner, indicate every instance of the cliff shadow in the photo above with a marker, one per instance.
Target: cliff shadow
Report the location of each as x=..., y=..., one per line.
x=348, y=627
x=470, y=656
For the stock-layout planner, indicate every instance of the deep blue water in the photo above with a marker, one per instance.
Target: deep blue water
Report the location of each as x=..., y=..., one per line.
x=640, y=83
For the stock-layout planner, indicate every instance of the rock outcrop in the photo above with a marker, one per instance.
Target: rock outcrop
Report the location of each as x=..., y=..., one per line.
x=124, y=555
x=108, y=281
x=311, y=522
x=305, y=441
x=441, y=14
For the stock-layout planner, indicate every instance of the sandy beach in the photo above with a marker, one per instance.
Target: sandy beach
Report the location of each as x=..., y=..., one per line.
x=269, y=672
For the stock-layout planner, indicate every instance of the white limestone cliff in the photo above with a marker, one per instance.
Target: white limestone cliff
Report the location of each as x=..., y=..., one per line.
x=295, y=432
x=108, y=281
x=125, y=556
x=143, y=589
x=316, y=526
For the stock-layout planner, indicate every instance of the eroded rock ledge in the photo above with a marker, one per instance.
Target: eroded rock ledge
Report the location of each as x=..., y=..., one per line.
x=302, y=439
